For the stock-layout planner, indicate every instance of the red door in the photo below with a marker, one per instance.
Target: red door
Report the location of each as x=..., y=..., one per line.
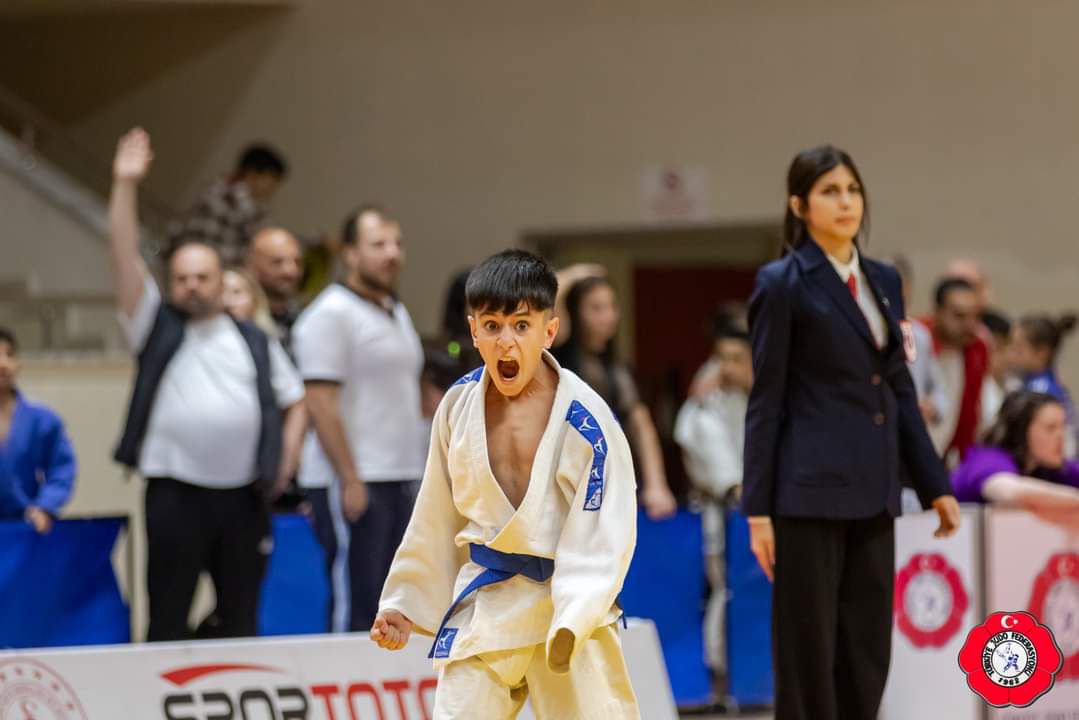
x=673, y=310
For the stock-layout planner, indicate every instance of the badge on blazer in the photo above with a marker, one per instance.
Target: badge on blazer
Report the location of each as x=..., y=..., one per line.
x=930, y=600
x=1054, y=598
x=909, y=346
x=1010, y=659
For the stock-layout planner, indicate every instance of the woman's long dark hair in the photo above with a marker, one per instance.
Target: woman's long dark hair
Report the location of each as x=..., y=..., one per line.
x=1009, y=432
x=806, y=169
x=570, y=353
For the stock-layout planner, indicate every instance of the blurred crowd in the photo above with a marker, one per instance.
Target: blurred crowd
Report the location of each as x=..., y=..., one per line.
x=247, y=399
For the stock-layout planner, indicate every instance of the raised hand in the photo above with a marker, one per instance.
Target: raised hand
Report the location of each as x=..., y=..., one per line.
x=133, y=156
x=391, y=630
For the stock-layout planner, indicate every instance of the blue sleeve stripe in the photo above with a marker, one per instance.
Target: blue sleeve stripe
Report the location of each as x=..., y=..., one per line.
x=473, y=376
x=585, y=423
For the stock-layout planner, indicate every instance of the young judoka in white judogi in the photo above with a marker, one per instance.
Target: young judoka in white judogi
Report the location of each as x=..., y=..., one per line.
x=524, y=526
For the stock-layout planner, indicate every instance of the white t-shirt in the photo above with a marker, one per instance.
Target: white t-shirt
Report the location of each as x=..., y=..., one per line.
x=953, y=374
x=205, y=421
x=377, y=358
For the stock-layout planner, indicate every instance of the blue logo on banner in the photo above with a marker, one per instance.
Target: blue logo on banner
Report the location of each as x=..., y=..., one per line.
x=445, y=643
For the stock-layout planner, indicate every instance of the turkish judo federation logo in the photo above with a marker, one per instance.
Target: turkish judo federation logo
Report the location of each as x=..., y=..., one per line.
x=1010, y=659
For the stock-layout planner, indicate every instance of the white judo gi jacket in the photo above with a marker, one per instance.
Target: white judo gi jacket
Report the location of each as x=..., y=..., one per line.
x=580, y=511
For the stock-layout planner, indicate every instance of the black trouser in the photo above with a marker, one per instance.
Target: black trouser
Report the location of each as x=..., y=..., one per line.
x=832, y=616
x=191, y=529
x=359, y=554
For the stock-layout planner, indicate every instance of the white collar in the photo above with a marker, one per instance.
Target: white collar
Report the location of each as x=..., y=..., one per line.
x=846, y=269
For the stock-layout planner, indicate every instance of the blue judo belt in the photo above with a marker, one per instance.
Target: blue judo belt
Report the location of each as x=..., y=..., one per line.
x=499, y=567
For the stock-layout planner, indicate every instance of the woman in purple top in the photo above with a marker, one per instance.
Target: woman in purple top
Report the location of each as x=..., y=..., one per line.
x=1022, y=462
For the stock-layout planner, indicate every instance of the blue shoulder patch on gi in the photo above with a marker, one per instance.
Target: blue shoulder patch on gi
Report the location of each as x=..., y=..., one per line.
x=585, y=423
x=444, y=643
x=473, y=376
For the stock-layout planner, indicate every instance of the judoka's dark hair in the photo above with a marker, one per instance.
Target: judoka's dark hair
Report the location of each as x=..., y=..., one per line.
x=7, y=336
x=1009, y=432
x=503, y=281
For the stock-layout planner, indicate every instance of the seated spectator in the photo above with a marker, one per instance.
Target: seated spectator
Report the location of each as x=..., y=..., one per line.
x=228, y=213
x=37, y=464
x=1022, y=463
x=1033, y=354
x=244, y=300
x=710, y=429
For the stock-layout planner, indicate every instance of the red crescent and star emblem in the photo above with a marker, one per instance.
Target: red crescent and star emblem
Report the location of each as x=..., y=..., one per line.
x=930, y=600
x=1054, y=600
x=1010, y=659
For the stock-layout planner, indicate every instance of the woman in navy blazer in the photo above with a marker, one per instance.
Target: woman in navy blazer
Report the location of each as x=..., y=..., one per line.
x=832, y=425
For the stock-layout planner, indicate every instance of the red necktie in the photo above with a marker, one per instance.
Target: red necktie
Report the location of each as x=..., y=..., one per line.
x=852, y=285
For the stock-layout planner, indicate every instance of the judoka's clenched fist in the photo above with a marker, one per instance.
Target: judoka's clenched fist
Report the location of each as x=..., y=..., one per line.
x=391, y=630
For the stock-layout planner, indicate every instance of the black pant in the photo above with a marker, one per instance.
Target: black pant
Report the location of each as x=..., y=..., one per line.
x=359, y=554
x=832, y=616
x=190, y=529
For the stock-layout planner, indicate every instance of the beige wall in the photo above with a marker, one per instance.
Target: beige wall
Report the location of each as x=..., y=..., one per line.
x=475, y=121
x=47, y=248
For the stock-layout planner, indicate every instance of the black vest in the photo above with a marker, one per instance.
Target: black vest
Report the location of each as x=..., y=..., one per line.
x=164, y=341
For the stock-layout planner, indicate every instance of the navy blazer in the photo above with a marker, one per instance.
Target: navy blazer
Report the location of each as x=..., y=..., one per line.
x=832, y=420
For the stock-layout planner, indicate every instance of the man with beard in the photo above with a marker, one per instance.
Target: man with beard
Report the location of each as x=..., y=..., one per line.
x=276, y=260
x=214, y=424
x=361, y=360
x=964, y=363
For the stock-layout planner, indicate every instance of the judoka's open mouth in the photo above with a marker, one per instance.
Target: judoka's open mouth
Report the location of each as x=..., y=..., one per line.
x=508, y=369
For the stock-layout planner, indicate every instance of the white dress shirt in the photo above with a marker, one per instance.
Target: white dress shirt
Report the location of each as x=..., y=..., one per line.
x=877, y=326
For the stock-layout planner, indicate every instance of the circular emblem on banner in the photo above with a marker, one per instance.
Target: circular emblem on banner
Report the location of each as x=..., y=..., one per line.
x=1054, y=599
x=1010, y=659
x=31, y=690
x=929, y=600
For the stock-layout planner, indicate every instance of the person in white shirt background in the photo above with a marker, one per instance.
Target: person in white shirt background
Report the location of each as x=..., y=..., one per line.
x=200, y=434
x=361, y=360
x=710, y=429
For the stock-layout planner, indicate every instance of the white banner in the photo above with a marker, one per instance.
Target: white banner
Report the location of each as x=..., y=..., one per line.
x=319, y=677
x=1032, y=565
x=937, y=601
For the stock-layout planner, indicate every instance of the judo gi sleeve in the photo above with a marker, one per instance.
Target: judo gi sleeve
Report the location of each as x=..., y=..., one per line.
x=595, y=547
x=59, y=470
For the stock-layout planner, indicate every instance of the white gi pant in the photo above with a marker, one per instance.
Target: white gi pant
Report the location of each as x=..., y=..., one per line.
x=495, y=685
